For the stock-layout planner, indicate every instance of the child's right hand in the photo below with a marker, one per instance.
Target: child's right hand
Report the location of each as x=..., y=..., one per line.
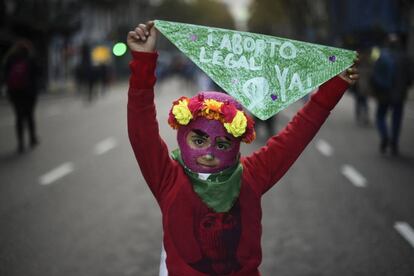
x=143, y=38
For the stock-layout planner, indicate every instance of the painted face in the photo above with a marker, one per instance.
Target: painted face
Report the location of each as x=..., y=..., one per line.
x=206, y=146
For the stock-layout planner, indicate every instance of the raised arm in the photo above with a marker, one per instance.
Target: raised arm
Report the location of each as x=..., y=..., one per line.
x=150, y=150
x=271, y=162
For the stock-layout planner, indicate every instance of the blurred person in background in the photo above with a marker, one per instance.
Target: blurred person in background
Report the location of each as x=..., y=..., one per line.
x=391, y=78
x=85, y=72
x=21, y=79
x=361, y=91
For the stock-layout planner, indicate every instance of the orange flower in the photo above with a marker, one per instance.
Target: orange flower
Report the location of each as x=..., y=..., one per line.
x=212, y=105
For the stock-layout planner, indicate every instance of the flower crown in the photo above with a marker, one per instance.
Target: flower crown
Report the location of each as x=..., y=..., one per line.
x=235, y=121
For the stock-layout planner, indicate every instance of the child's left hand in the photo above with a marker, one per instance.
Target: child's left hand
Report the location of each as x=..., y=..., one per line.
x=351, y=75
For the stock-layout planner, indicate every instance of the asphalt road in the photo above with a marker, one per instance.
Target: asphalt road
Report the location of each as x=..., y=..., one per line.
x=78, y=205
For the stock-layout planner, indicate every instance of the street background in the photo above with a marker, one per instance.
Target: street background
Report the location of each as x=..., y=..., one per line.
x=77, y=204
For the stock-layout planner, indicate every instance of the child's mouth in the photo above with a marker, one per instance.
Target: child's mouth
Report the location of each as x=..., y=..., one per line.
x=210, y=165
x=207, y=163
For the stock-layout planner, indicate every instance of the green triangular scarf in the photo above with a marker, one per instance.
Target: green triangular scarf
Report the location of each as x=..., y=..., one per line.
x=263, y=73
x=220, y=190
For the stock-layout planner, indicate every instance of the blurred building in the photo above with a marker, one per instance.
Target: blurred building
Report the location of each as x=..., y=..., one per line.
x=39, y=21
x=296, y=19
x=364, y=24
x=348, y=23
x=58, y=29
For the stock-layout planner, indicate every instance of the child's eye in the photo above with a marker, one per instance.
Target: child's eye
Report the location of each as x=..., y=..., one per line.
x=223, y=146
x=198, y=141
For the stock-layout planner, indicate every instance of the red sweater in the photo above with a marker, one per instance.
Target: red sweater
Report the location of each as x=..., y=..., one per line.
x=197, y=240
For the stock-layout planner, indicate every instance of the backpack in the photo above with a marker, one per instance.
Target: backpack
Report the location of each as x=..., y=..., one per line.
x=18, y=77
x=384, y=72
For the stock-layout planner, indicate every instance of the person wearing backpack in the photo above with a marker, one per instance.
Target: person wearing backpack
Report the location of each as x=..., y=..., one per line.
x=20, y=76
x=391, y=78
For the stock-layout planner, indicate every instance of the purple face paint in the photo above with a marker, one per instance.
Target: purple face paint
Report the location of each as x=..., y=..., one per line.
x=332, y=58
x=274, y=97
x=213, y=129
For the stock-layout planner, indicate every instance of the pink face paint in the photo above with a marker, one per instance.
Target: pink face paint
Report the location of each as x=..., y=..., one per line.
x=213, y=129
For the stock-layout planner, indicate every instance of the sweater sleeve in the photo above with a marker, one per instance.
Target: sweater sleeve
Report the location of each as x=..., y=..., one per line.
x=150, y=150
x=267, y=165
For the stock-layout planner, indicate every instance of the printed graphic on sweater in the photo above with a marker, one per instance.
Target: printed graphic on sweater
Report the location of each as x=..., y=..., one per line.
x=211, y=246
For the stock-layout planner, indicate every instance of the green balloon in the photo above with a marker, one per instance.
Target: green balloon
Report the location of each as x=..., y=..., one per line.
x=119, y=49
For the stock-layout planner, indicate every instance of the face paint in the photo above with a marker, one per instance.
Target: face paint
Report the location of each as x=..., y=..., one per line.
x=214, y=129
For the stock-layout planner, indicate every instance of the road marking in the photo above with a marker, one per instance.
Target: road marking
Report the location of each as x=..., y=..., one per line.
x=406, y=231
x=104, y=146
x=354, y=176
x=324, y=148
x=56, y=173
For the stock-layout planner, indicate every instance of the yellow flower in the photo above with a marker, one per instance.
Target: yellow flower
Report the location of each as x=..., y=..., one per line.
x=181, y=112
x=212, y=105
x=237, y=127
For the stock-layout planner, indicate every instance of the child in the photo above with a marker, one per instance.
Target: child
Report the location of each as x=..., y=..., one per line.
x=210, y=196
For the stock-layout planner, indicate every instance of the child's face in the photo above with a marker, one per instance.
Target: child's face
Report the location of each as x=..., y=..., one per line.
x=206, y=147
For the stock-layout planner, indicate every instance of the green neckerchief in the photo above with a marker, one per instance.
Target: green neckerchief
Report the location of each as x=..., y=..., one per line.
x=220, y=190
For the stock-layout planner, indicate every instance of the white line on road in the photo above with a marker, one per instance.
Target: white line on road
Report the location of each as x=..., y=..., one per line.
x=56, y=173
x=104, y=146
x=324, y=148
x=406, y=231
x=354, y=176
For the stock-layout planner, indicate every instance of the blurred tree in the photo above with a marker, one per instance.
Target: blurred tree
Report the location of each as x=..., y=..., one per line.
x=202, y=12
x=266, y=16
x=299, y=19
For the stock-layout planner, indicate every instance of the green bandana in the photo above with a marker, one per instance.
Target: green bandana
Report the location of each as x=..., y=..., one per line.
x=220, y=190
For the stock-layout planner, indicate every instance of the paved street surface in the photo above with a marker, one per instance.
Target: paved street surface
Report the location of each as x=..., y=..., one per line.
x=78, y=205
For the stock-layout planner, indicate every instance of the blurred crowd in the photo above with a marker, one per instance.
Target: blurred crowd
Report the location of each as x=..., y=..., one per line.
x=78, y=47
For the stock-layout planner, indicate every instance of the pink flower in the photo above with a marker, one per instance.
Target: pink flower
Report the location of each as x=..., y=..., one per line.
x=250, y=133
x=172, y=121
x=195, y=105
x=180, y=99
x=229, y=112
x=200, y=97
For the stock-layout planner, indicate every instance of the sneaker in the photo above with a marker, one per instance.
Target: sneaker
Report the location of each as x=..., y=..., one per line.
x=34, y=142
x=383, y=146
x=394, y=149
x=20, y=149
